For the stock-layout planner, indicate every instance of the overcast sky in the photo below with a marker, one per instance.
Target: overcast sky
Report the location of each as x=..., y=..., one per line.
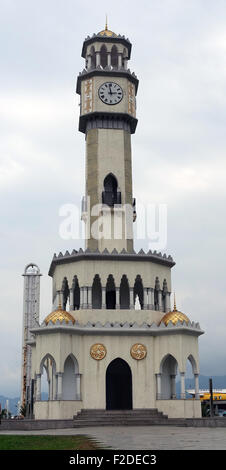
x=179, y=56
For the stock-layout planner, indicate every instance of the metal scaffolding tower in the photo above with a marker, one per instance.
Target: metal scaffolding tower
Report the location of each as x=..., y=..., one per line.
x=31, y=302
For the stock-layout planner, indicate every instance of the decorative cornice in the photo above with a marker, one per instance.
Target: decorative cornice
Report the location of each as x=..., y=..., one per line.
x=112, y=71
x=104, y=38
x=106, y=120
x=124, y=255
x=117, y=328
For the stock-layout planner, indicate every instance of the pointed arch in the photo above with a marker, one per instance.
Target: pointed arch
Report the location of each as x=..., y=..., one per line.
x=110, y=293
x=114, y=56
x=111, y=195
x=156, y=293
x=76, y=293
x=96, y=292
x=138, y=290
x=168, y=370
x=93, y=57
x=119, y=385
x=103, y=56
x=124, y=294
x=71, y=369
x=47, y=371
x=65, y=293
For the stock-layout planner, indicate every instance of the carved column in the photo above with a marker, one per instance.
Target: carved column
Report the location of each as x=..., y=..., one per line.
x=197, y=397
x=38, y=387
x=71, y=299
x=103, y=297
x=182, y=385
x=59, y=385
x=158, y=386
x=117, y=292
x=131, y=298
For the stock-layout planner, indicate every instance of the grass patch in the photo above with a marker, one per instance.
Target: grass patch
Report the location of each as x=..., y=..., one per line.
x=34, y=442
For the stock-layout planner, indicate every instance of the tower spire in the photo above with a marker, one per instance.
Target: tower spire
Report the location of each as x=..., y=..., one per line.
x=106, y=23
x=175, y=307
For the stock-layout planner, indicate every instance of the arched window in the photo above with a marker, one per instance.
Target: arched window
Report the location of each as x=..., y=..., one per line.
x=169, y=368
x=114, y=56
x=66, y=292
x=138, y=290
x=69, y=385
x=76, y=294
x=47, y=371
x=103, y=56
x=124, y=59
x=156, y=293
x=124, y=293
x=164, y=296
x=110, y=195
x=93, y=57
x=110, y=293
x=96, y=293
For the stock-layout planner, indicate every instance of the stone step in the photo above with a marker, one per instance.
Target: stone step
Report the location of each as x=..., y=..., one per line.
x=119, y=422
x=144, y=412
x=137, y=417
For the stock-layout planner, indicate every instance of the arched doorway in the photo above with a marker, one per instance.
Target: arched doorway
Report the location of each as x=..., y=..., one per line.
x=118, y=386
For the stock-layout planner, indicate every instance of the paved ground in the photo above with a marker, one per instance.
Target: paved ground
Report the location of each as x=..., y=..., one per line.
x=147, y=437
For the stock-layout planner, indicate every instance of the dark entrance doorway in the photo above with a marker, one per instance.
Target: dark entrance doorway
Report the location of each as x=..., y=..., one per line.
x=118, y=386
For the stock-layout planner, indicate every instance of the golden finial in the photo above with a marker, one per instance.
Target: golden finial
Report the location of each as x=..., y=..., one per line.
x=175, y=307
x=106, y=24
x=59, y=305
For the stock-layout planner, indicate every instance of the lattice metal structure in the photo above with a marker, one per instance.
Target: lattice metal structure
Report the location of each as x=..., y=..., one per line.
x=31, y=303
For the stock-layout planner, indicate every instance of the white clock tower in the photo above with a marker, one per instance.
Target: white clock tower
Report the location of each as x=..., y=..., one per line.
x=112, y=341
x=108, y=118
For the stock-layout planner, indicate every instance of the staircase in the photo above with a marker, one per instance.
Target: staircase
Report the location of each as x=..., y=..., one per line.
x=137, y=417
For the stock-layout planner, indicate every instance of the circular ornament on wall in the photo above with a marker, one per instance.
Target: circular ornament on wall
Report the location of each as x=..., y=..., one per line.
x=98, y=351
x=138, y=351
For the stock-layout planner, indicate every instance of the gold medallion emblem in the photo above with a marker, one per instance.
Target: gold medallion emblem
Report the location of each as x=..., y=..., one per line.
x=98, y=351
x=138, y=351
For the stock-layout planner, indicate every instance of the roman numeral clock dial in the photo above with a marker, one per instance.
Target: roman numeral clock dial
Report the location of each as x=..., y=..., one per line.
x=110, y=93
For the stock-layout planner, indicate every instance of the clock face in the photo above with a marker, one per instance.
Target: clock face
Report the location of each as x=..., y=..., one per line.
x=110, y=93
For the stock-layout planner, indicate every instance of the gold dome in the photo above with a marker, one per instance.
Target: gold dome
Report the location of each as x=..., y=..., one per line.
x=174, y=316
x=59, y=314
x=107, y=32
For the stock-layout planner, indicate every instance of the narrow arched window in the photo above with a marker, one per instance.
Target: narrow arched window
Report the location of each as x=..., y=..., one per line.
x=110, y=293
x=96, y=293
x=93, y=57
x=138, y=290
x=66, y=292
x=103, y=56
x=110, y=195
x=124, y=293
x=76, y=294
x=114, y=56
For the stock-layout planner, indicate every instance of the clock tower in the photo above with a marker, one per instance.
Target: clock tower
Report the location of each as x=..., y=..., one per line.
x=108, y=118
x=112, y=341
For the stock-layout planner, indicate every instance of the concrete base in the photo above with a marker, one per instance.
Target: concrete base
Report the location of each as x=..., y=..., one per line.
x=57, y=409
x=180, y=408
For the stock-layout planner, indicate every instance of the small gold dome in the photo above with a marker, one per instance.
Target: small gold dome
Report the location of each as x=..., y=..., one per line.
x=59, y=314
x=107, y=32
x=174, y=317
